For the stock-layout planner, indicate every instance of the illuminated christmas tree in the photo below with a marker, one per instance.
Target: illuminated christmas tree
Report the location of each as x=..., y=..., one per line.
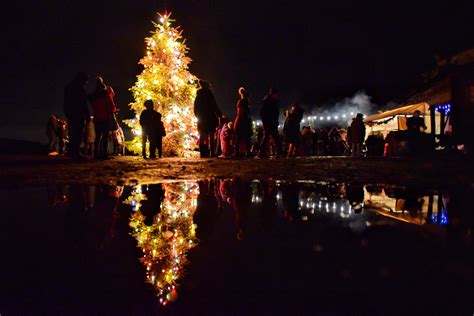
x=166, y=80
x=167, y=240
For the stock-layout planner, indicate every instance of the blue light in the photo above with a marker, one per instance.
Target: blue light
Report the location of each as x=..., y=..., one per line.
x=443, y=220
x=446, y=108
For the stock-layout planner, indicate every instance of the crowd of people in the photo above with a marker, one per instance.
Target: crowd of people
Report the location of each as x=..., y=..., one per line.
x=86, y=136
x=82, y=135
x=222, y=137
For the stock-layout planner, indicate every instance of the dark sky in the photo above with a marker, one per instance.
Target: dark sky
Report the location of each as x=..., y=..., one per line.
x=314, y=50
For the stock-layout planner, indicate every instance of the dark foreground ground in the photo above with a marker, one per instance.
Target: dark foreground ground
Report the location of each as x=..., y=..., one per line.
x=435, y=172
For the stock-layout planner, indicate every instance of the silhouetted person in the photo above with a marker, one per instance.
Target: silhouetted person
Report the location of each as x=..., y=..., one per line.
x=415, y=125
x=291, y=129
x=269, y=113
x=207, y=113
x=104, y=108
x=357, y=135
x=153, y=130
x=243, y=124
x=322, y=140
x=76, y=111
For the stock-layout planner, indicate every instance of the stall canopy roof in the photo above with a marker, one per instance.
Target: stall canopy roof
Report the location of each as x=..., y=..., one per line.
x=423, y=107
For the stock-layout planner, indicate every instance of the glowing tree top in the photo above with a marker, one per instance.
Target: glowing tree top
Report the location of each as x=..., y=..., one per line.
x=166, y=80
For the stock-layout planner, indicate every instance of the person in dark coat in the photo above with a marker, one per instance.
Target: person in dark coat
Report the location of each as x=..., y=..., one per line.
x=104, y=108
x=269, y=113
x=242, y=124
x=153, y=130
x=416, y=123
x=357, y=135
x=291, y=129
x=76, y=110
x=208, y=114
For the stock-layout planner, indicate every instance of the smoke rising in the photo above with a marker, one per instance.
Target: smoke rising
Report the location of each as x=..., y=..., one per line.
x=342, y=112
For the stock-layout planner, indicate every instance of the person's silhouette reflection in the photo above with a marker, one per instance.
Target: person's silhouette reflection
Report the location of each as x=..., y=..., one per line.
x=413, y=204
x=57, y=194
x=355, y=196
x=241, y=201
x=290, y=199
x=152, y=205
x=225, y=192
x=269, y=203
x=106, y=215
x=206, y=210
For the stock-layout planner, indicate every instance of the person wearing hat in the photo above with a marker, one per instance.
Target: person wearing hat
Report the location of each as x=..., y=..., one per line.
x=207, y=113
x=357, y=135
x=76, y=109
x=270, y=113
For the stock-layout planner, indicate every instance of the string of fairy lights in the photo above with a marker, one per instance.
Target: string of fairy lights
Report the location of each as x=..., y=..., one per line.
x=315, y=119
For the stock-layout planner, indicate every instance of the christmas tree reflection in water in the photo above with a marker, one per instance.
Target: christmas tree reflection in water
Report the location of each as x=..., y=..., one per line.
x=162, y=224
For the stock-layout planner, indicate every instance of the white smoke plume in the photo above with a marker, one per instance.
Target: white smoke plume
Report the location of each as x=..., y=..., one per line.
x=341, y=112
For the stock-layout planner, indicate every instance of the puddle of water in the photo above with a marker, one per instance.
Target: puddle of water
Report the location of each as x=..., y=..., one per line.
x=229, y=245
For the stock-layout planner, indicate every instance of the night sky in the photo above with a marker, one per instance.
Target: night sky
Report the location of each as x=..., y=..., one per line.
x=316, y=52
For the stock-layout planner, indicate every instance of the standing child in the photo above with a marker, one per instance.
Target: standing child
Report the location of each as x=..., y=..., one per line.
x=227, y=138
x=89, y=138
x=119, y=142
x=152, y=130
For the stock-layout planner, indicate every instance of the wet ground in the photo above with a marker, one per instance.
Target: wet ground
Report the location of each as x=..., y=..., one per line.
x=232, y=245
x=434, y=172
